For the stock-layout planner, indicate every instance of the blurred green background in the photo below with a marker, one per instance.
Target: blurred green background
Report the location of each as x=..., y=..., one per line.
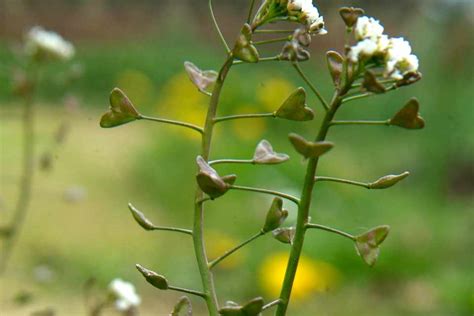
x=79, y=226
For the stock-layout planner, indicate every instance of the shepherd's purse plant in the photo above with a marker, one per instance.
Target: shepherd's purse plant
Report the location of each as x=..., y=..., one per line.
x=370, y=64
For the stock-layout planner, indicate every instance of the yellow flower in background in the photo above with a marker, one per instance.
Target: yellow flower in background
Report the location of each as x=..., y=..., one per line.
x=217, y=244
x=138, y=87
x=248, y=129
x=273, y=92
x=180, y=100
x=311, y=277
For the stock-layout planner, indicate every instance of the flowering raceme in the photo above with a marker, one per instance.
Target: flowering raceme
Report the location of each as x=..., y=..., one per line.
x=43, y=44
x=308, y=14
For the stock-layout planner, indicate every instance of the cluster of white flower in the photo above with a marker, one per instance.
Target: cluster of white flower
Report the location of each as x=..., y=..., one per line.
x=308, y=13
x=124, y=294
x=45, y=44
x=396, y=52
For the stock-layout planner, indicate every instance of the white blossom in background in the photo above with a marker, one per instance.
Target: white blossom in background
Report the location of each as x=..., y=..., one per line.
x=125, y=295
x=309, y=13
x=41, y=43
x=368, y=27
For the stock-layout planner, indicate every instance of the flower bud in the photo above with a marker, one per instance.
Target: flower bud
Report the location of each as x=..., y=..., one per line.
x=276, y=216
x=371, y=83
x=209, y=180
x=335, y=65
x=350, y=15
x=409, y=117
x=284, y=235
x=121, y=110
x=388, y=181
x=202, y=79
x=153, y=278
x=309, y=149
x=367, y=244
x=182, y=307
x=243, y=49
x=294, y=108
x=140, y=218
x=264, y=154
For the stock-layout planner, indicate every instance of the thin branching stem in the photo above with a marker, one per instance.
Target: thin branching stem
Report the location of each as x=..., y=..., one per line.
x=384, y=123
x=266, y=191
x=312, y=86
x=273, y=40
x=172, y=122
x=218, y=29
x=271, y=304
x=214, y=262
x=249, y=15
x=263, y=59
x=231, y=161
x=331, y=179
x=274, y=31
x=173, y=229
x=243, y=116
x=331, y=230
x=188, y=291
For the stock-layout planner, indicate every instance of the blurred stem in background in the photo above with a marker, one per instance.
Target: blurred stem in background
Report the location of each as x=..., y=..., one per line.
x=12, y=231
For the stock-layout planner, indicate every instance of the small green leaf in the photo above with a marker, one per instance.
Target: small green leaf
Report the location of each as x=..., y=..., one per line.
x=284, y=235
x=371, y=83
x=243, y=49
x=153, y=278
x=140, y=218
x=121, y=110
x=203, y=79
x=209, y=180
x=276, y=215
x=388, y=181
x=183, y=307
x=335, y=65
x=294, y=108
x=265, y=155
x=409, y=117
x=350, y=15
x=253, y=307
x=367, y=244
x=309, y=149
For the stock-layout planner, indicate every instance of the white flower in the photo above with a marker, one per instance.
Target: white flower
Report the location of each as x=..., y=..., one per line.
x=400, y=60
x=369, y=47
x=41, y=43
x=124, y=294
x=368, y=27
x=398, y=49
x=308, y=13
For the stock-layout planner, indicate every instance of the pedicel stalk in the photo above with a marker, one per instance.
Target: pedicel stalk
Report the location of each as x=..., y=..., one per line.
x=372, y=63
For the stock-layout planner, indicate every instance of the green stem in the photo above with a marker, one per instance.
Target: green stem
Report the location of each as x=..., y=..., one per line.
x=188, y=291
x=263, y=59
x=357, y=97
x=172, y=122
x=271, y=304
x=233, y=161
x=274, y=31
x=243, y=116
x=332, y=230
x=274, y=40
x=265, y=191
x=311, y=85
x=249, y=16
x=198, y=224
x=26, y=183
x=173, y=229
x=216, y=25
x=331, y=179
x=384, y=123
x=231, y=251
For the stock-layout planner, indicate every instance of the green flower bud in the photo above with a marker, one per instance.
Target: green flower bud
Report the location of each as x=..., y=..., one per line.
x=309, y=149
x=121, y=110
x=243, y=49
x=367, y=244
x=409, y=117
x=294, y=108
x=153, y=278
x=276, y=215
x=388, y=181
x=264, y=154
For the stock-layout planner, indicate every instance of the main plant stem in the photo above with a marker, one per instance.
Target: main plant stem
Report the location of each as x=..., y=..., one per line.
x=24, y=196
x=198, y=231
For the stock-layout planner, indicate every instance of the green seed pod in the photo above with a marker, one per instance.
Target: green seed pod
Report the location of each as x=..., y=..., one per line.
x=264, y=154
x=309, y=149
x=335, y=65
x=209, y=180
x=294, y=51
x=388, y=181
x=284, y=235
x=183, y=307
x=121, y=110
x=243, y=49
x=350, y=15
x=409, y=117
x=367, y=244
x=294, y=108
x=276, y=216
x=140, y=218
x=153, y=278
x=253, y=307
x=371, y=84
x=203, y=79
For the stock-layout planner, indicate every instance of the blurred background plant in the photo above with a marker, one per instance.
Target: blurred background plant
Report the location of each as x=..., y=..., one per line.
x=79, y=227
